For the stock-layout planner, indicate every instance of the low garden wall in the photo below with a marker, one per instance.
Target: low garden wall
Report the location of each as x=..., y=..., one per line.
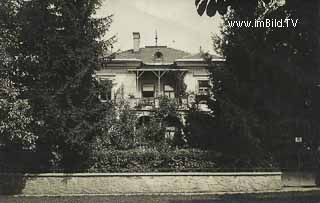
x=301, y=179
x=137, y=183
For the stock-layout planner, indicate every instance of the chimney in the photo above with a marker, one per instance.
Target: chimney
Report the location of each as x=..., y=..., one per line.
x=136, y=41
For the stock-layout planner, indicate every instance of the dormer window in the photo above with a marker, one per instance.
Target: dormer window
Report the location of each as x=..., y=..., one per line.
x=158, y=56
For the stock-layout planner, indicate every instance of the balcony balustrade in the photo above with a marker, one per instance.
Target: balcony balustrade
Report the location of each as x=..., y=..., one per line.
x=153, y=103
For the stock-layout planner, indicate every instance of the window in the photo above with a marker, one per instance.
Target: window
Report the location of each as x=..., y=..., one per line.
x=170, y=132
x=168, y=91
x=203, y=87
x=158, y=56
x=148, y=90
x=105, y=89
x=143, y=121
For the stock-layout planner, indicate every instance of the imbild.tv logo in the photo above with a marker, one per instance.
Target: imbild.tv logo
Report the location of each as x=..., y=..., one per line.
x=266, y=23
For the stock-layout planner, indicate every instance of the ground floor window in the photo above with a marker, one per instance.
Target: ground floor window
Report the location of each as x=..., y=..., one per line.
x=170, y=132
x=105, y=91
x=203, y=87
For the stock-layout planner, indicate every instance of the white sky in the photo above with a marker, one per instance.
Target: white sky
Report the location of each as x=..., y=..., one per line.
x=176, y=21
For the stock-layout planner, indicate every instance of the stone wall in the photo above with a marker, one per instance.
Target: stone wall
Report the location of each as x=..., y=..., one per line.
x=134, y=183
x=301, y=179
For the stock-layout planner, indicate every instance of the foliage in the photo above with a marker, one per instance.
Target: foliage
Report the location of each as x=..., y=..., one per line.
x=267, y=92
x=55, y=47
x=15, y=119
x=167, y=107
x=182, y=160
x=139, y=160
x=152, y=160
x=221, y=6
x=118, y=127
x=199, y=129
x=153, y=132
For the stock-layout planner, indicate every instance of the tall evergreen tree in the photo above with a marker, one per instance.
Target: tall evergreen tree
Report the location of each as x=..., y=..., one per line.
x=268, y=92
x=57, y=49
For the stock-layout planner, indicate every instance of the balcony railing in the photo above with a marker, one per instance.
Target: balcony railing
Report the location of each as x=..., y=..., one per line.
x=153, y=103
x=182, y=103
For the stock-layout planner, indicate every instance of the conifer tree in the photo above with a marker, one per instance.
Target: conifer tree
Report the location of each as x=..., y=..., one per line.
x=268, y=91
x=57, y=47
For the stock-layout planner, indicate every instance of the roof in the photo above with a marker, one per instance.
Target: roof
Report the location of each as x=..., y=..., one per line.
x=200, y=56
x=148, y=54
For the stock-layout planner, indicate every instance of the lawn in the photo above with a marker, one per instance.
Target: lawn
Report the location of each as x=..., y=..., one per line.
x=280, y=197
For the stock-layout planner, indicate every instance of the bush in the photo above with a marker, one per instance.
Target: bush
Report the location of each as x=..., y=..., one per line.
x=15, y=119
x=117, y=128
x=150, y=160
x=152, y=133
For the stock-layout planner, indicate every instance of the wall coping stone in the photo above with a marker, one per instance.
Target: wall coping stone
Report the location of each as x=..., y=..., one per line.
x=143, y=174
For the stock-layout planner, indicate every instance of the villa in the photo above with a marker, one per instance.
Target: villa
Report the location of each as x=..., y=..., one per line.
x=144, y=74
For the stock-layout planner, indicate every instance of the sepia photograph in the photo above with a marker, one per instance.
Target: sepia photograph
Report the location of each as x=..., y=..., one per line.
x=172, y=101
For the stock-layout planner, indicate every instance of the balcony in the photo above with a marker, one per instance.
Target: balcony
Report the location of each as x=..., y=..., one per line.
x=153, y=103
x=182, y=103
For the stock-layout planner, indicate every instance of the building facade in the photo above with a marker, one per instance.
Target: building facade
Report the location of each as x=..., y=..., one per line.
x=142, y=75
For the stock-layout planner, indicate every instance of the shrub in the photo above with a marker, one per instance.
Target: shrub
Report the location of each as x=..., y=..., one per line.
x=15, y=119
x=117, y=128
x=151, y=160
x=153, y=132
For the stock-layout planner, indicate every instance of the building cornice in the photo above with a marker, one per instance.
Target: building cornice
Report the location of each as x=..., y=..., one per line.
x=199, y=60
x=136, y=63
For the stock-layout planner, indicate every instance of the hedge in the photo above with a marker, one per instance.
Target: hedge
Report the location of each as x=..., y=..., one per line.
x=138, y=160
x=153, y=161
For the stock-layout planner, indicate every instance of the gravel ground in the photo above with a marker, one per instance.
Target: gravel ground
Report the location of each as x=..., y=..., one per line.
x=279, y=197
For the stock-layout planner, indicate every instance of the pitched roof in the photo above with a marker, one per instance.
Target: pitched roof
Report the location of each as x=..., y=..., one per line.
x=199, y=56
x=149, y=54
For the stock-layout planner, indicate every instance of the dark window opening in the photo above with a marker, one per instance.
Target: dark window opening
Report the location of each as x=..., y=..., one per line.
x=105, y=89
x=158, y=56
x=148, y=90
x=203, y=92
x=203, y=87
x=143, y=121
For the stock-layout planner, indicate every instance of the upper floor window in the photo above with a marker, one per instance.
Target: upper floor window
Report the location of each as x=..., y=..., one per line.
x=168, y=91
x=148, y=90
x=203, y=87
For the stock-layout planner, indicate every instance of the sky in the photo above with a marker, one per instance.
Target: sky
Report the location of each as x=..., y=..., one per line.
x=176, y=21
